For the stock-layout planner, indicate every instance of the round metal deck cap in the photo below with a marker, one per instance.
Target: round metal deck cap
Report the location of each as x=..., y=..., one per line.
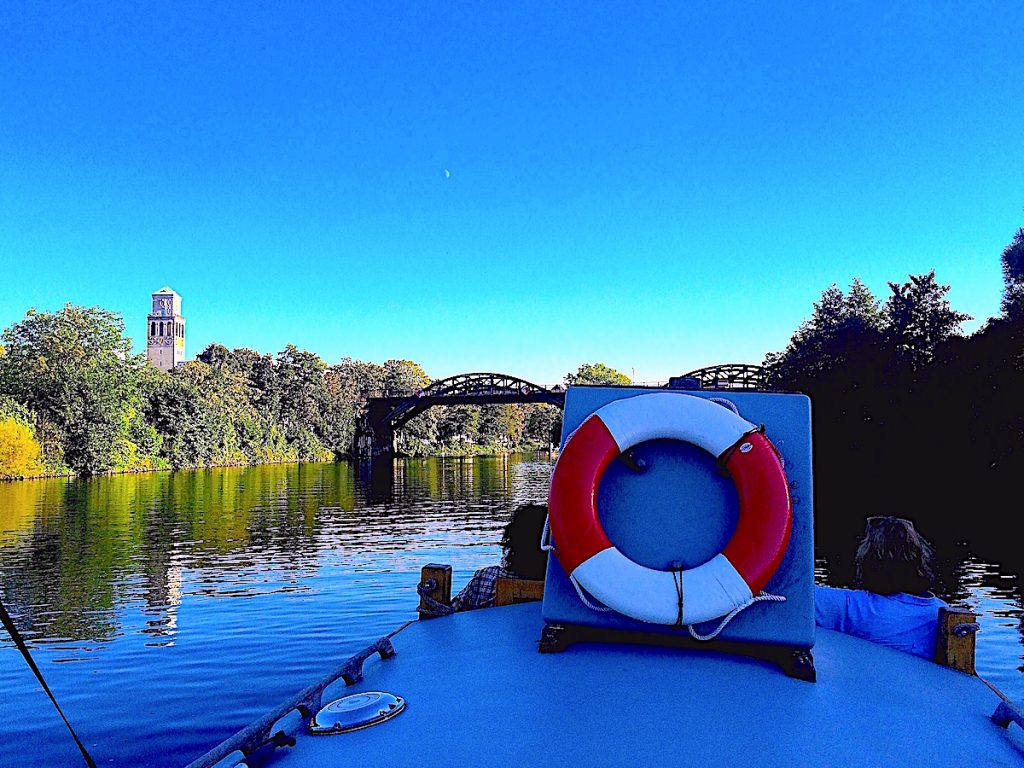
x=358, y=710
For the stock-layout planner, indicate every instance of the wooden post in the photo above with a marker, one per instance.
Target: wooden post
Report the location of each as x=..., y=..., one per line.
x=440, y=577
x=955, y=644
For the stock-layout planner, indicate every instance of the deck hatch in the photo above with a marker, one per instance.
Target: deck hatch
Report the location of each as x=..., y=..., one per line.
x=356, y=711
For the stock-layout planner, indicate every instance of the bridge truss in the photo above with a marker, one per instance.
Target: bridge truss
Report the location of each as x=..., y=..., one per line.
x=385, y=414
x=729, y=376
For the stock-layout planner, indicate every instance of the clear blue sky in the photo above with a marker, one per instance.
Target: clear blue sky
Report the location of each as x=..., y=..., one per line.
x=520, y=187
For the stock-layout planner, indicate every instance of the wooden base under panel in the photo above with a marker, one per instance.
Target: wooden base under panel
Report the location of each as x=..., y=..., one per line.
x=797, y=663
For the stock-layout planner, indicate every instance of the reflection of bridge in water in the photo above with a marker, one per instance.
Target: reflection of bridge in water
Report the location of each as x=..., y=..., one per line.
x=375, y=431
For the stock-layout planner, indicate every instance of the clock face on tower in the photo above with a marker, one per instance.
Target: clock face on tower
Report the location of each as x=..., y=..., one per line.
x=165, y=306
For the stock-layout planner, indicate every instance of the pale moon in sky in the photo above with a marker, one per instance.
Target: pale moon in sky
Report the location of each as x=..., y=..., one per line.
x=447, y=173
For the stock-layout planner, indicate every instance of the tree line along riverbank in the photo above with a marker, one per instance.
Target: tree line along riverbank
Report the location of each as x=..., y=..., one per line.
x=75, y=400
x=910, y=414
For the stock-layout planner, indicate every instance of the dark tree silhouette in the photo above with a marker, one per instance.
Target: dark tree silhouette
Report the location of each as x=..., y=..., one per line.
x=1013, y=278
x=919, y=317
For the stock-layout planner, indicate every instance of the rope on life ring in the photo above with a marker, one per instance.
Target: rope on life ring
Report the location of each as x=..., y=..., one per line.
x=726, y=584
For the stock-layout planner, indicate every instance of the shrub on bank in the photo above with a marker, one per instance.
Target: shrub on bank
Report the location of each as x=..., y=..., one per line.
x=20, y=453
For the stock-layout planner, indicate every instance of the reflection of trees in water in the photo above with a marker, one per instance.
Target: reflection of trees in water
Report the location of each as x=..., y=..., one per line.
x=61, y=574
x=420, y=503
x=74, y=552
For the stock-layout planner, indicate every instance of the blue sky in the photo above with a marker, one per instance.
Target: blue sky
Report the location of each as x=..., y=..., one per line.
x=521, y=188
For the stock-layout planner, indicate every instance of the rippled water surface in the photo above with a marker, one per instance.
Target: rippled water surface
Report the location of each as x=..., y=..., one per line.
x=169, y=610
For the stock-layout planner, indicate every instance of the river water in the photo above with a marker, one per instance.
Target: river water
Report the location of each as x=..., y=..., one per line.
x=168, y=610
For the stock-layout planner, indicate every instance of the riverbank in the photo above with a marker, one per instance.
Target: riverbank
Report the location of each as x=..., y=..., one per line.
x=68, y=474
x=465, y=452
x=476, y=450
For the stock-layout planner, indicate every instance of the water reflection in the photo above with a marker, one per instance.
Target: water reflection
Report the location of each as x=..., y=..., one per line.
x=248, y=583
x=71, y=551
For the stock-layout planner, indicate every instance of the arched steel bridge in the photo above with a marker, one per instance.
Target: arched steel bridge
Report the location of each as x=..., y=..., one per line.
x=375, y=431
x=473, y=389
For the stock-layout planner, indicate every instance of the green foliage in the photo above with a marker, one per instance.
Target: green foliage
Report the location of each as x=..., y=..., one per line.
x=501, y=426
x=418, y=436
x=20, y=452
x=1013, y=278
x=303, y=406
x=918, y=318
x=11, y=409
x=457, y=427
x=196, y=409
x=842, y=327
x=91, y=406
x=543, y=425
x=74, y=369
x=595, y=373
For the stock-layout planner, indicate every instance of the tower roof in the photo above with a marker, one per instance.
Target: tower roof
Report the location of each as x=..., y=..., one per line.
x=168, y=290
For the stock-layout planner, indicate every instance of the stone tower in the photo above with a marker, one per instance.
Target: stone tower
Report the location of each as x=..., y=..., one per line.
x=166, y=346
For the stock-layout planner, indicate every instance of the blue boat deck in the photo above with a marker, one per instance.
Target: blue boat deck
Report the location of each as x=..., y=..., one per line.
x=478, y=693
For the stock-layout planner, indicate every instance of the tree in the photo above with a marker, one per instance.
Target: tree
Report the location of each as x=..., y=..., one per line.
x=404, y=376
x=457, y=425
x=841, y=327
x=501, y=426
x=215, y=354
x=543, y=424
x=193, y=420
x=418, y=435
x=861, y=307
x=595, y=373
x=357, y=380
x=75, y=370
x=919, y=317
x=304, y=403
x=1013, y=278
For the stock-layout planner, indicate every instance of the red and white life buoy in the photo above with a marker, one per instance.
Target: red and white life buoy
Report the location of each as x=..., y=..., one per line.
x=725, y=583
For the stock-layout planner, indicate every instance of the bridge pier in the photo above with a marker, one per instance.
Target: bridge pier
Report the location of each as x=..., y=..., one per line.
x=383, y=443
x=375, y=434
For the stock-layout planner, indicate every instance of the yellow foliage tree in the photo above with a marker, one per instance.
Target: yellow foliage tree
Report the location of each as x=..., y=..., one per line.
x=19, y=450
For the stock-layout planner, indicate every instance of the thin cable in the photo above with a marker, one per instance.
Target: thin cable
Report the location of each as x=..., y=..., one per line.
x=12, y=630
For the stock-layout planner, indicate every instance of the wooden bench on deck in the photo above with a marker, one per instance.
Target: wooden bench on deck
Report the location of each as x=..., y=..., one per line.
x=954, y=646
x=509, y=591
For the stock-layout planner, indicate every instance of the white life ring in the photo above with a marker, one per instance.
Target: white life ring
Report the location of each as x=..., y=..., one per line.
x=727, y=581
